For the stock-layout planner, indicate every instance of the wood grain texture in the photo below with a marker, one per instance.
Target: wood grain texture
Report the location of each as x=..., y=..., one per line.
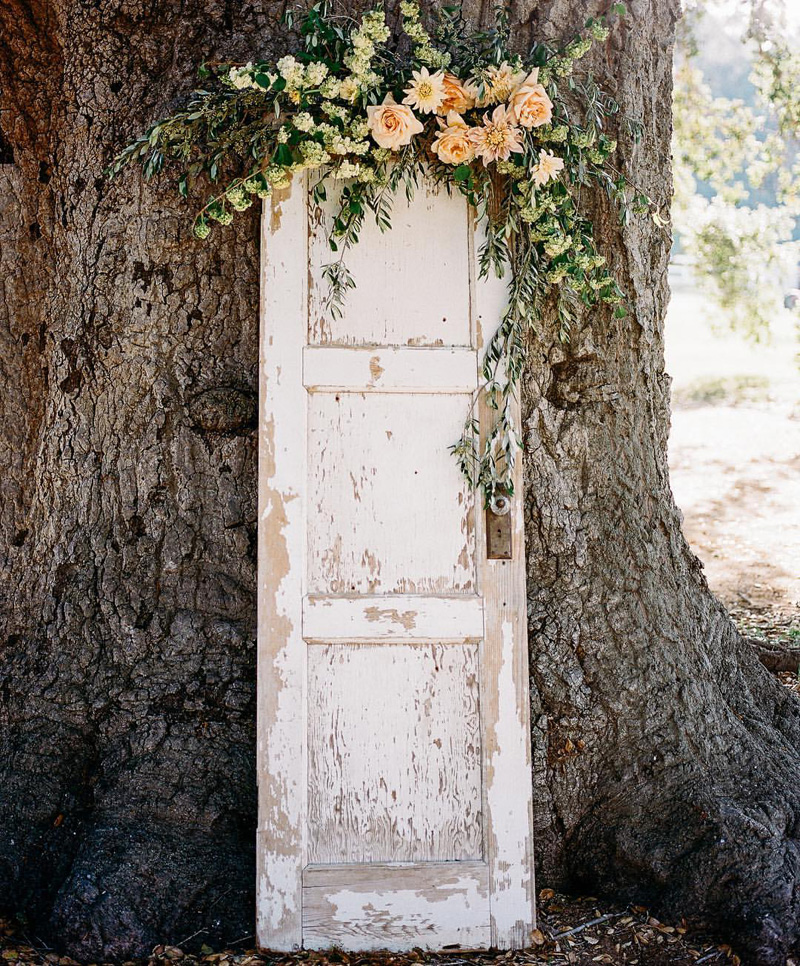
x=412, y=283
x=397, y=907
x=402, y=617
x=390, y=369
x=281, y=539
x=394, y=753
x=388, y=509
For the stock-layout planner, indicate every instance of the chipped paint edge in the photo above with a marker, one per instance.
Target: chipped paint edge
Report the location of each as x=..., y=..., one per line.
x=505, y=696
x=281, y=766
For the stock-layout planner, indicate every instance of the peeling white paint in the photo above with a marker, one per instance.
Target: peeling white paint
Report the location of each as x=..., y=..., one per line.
x=509, y=760
x=394, y=802
x=396, y=907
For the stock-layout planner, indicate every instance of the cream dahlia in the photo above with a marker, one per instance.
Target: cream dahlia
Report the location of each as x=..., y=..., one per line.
x=498, y=138
x=548, y=167
x=425, y=91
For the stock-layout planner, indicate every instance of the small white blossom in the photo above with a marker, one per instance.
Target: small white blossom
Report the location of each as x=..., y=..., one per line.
x=314, y=154
x=347, y=169
x=241, y=77
x=348, y=89
x=316, y=73
x=304, y=121
x=336, y=111
x=291, y=71
x=330, y=88
x=359, y=128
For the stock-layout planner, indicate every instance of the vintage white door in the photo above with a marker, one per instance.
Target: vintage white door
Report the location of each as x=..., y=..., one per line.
x=393, y=748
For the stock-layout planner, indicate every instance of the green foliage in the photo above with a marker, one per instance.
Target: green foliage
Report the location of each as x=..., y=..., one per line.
x=475, y=118
x=737, y=175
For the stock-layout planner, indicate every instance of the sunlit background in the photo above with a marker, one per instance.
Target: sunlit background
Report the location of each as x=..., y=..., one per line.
x=733, y=326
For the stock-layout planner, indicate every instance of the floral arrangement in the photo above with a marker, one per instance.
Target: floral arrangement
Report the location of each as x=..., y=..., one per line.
x=454, y=105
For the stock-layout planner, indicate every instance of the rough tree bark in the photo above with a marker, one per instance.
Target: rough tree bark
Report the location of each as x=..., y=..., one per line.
x=666, y=758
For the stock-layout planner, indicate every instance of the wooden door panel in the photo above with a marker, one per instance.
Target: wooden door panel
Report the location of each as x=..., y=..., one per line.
x=389, y=511
x=412, y=282
x=393, y=907
x=394, y=766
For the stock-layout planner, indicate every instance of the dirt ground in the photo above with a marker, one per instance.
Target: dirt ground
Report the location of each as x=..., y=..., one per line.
x=572, y=932
x=735, y=463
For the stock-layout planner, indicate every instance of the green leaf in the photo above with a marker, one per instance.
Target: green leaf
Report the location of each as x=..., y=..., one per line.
x=462, y=173
x=263, y=81
x=282, y=156
x=620, y=312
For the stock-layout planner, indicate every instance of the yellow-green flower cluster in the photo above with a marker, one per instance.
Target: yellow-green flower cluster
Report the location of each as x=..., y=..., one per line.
x=583, y=139
x=514, y=171
x=258, y=187
x=424, y=50
x=303, y=122
x=277, y=176
x=314, y=154
x=238, y=198
x=557, y=244
x=341, y=144
x=363, y=42
x=336, y=111
x=587, y=261
x=553, y=134
x=579, y=48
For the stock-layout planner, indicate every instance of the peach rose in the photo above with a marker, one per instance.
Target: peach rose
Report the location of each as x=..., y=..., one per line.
x=458, y=97
x=392, y=125
x=453, y=144
x=530, y=104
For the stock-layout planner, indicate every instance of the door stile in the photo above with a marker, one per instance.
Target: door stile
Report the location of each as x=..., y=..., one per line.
x=282, y=692
x=505, y=708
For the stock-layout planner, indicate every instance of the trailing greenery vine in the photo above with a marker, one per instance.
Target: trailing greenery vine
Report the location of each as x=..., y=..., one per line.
x=519, y=137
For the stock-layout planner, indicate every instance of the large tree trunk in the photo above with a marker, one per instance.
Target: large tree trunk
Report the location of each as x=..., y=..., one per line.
x=666, y=758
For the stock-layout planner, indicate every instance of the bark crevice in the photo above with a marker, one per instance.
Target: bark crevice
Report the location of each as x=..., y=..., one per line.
x=665, y=756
